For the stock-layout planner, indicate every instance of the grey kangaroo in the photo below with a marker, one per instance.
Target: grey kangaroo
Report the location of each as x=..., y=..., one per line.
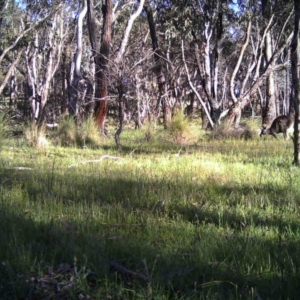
x=284, y=124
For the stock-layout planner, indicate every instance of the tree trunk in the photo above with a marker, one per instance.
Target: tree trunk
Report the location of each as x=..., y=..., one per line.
x=118, y=61
x=158, y=69
x=295, y=60
x=74, y=88
x=50, y=64
x=121, y=116
x=101, y=106
x=95, y=44
x=269, y=111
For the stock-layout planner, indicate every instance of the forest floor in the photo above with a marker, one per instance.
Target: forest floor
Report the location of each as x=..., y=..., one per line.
x=211, y=219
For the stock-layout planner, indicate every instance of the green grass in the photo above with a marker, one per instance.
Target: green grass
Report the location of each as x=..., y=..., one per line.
x=228, y=229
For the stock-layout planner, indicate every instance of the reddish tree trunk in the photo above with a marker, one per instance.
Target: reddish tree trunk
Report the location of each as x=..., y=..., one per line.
x=101, y=61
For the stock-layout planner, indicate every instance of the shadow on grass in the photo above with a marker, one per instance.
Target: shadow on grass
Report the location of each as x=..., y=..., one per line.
x=184, y=251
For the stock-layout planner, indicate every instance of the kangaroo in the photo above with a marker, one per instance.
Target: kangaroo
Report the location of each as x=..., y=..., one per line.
x=284, y=124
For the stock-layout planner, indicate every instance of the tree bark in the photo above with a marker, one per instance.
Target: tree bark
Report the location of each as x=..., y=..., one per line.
x=101, y=106
x=269, y=111
x=77, y=76
x=93, y=28
x=295, y=60
x=158, y=69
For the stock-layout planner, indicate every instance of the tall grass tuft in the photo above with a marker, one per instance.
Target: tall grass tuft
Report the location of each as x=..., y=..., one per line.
x=246, y=130
x=179, y=129
x=67, y=132
x=87, y=134
x=36, y=136
x=4, y=128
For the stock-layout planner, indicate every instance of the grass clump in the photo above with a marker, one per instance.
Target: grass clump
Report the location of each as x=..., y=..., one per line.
x=67, y=131
x=35, y=136
x=246, y=130
x=179, y=129
x=4, y=127
x=86, y=135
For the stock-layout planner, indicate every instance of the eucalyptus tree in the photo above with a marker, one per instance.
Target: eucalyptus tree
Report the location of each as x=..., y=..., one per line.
x=12, y=45
x=256, y=67
x=35, y=34
x=101, y=53
x=77, y=85
x=159, y=68
x=43, y=53
x=276, y=80
x=118, y=61
x=202, y=26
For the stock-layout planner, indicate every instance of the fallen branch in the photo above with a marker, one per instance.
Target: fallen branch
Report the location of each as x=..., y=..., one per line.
x=95, y=160
x=127, y=272
x=20, y=168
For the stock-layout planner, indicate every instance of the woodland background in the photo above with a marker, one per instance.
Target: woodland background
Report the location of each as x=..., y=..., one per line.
x=138, y=60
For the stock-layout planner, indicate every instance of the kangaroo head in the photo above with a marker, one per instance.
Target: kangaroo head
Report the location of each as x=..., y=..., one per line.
x=264, y=131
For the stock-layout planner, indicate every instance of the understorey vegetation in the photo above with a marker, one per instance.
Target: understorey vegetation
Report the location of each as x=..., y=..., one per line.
x=174, y=215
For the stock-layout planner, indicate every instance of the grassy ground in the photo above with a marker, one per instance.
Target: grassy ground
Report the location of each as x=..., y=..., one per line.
x=214, y=219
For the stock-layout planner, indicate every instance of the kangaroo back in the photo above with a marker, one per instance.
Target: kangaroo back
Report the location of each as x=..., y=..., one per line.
x=282, y=124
